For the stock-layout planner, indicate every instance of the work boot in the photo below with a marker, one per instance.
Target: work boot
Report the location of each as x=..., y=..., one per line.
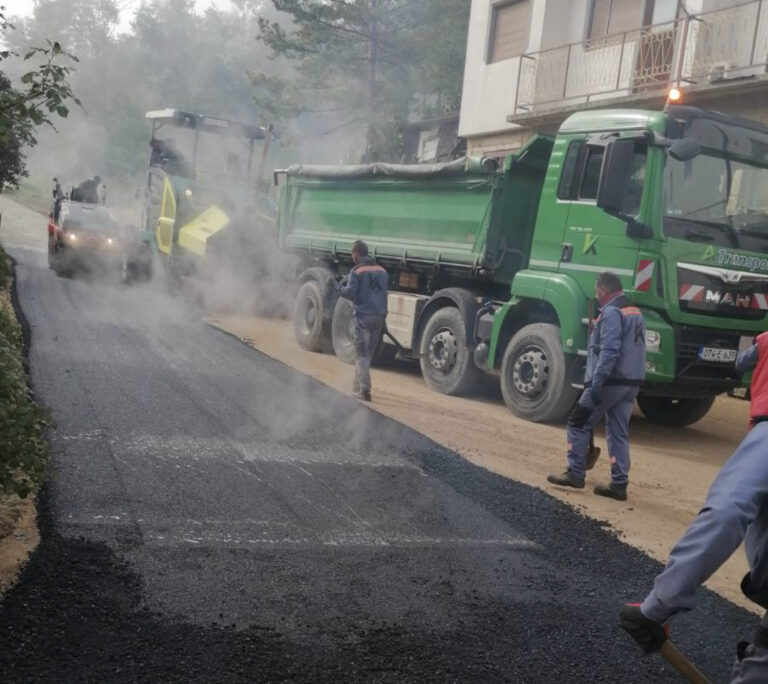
x=363, y=395
x=612, y=491
x=567, y=479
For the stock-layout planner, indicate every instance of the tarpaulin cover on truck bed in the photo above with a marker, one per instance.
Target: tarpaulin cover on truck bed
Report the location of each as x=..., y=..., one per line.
x=464, y=165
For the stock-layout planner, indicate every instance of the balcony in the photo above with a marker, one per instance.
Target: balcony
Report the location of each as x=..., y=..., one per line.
x=698, y=51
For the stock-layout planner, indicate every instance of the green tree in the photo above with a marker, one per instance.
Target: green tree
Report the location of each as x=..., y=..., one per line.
x=40, y=97
x=376, y=62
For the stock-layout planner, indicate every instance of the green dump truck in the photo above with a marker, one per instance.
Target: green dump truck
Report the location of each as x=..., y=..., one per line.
x=492, y=267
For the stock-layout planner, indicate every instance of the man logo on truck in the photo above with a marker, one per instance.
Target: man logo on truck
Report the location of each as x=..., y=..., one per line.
x=703, y=295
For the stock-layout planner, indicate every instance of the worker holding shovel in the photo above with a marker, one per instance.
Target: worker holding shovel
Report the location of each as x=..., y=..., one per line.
x=736, y=510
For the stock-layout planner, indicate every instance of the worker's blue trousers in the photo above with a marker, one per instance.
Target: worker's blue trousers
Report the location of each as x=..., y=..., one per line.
x=367, y=335
x=616, y=402
x=752, y=665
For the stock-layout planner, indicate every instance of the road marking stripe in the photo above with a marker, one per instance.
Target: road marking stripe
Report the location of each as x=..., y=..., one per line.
x=345, y=541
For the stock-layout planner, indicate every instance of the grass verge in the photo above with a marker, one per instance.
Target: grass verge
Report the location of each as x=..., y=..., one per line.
x=24, y=449
x=32, y=197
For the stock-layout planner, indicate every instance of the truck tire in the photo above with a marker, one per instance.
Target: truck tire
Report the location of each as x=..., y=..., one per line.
x=310, y=322
x=342, y=331
x=385, y=354
x=343, y=337
x=535, y=378
x=444, y=355
x=672, y=411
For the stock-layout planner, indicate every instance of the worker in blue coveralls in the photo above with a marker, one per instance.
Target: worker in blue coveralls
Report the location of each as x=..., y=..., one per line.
x=615, y=370
x=366, y=287
x=736, y=510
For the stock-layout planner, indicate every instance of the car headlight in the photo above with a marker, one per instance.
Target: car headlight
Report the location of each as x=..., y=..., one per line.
x=653, y=341
x=71, y=236
x=110, y=241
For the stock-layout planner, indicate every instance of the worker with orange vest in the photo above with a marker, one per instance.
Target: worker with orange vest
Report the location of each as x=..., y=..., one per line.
x=615, y=371
x=735, y=511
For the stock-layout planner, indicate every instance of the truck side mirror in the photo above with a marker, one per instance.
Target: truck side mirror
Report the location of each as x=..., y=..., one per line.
x=685, y=149
x=614, y=176
x=614, y=182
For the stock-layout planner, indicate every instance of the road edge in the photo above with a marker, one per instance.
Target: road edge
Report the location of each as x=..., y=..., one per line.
x=19, y=528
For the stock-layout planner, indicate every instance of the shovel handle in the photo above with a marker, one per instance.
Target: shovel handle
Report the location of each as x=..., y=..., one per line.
x=684, y=667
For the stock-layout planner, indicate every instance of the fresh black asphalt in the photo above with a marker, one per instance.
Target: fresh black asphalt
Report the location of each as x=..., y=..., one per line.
x=214, y=516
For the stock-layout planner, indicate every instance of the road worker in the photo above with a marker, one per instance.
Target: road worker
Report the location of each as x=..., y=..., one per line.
x=615, y=370
x=735, y=511
x=88, y=190
x=366, y=287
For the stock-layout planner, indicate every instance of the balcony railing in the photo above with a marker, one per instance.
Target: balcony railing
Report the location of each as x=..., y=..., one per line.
x=704, y=48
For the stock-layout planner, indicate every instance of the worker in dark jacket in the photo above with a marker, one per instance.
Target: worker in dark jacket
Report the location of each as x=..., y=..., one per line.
x=615, y=370
x=89, y=190
x=735, y=511
x=366, y=287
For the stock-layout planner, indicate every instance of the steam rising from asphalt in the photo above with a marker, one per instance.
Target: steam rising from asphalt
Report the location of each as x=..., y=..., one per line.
x=254, y=278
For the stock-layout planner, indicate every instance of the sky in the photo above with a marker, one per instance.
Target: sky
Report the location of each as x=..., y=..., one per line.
x=128, y=7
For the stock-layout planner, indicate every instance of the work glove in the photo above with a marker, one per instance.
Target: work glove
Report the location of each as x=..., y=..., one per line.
x=587, y=400
x=649, y=635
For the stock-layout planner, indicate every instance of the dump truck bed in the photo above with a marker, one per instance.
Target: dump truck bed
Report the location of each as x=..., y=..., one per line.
x=460, y=216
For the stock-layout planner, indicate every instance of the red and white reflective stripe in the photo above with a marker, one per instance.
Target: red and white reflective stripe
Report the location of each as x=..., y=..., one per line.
x=692, y=293
x=760, y=301
x=644, y=274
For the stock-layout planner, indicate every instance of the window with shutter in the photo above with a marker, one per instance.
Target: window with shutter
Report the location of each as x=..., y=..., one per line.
x=510, y=22
x=608, y=17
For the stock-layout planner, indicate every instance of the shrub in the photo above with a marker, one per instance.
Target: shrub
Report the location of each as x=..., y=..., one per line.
x=23, y=422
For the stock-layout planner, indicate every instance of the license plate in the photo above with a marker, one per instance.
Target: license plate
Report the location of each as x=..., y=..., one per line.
x=717, y=355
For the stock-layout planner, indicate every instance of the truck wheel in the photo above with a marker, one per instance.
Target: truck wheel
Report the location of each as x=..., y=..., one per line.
x=445, y=357
x=384, y=355
x=535, y=381
x=342, y=331
x=310, y=323
x=343, y=337
x=672, y=411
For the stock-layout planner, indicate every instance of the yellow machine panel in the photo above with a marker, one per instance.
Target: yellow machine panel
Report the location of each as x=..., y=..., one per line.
x=195, y=234
x=167, y=218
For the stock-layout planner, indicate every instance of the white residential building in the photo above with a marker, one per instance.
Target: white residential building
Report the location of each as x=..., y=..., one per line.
x=530, y=63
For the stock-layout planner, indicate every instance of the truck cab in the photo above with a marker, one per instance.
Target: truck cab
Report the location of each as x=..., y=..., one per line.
x=675, y=204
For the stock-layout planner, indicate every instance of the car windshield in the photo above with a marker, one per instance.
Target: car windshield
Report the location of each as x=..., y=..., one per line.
x=717, y=199
x=89, y=216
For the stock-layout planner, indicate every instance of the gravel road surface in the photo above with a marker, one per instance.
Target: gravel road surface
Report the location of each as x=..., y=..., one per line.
x=213, y=515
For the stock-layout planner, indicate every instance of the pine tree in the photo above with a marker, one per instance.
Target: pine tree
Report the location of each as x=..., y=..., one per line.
x=377, y=62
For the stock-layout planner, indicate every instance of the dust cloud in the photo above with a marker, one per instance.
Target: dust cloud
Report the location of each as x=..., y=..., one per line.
x=121, y=75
